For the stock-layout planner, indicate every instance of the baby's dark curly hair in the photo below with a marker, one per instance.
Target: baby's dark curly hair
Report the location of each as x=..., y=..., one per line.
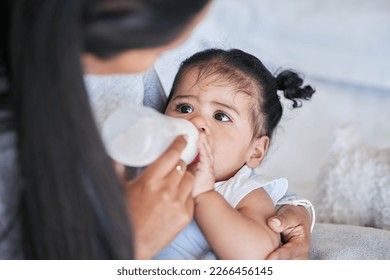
x=247, y=74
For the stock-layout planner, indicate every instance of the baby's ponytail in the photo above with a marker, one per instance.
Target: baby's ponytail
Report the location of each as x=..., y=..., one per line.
x=291, y=84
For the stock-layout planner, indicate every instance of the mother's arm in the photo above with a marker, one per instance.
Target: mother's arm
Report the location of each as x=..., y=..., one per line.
x=160, y=202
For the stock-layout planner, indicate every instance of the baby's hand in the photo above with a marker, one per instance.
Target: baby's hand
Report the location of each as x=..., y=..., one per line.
x=204, y=173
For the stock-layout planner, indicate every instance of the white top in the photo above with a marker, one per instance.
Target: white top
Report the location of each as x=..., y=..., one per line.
x=245, y=181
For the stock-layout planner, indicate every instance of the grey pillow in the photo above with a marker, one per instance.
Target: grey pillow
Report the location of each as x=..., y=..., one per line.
x=347, y=242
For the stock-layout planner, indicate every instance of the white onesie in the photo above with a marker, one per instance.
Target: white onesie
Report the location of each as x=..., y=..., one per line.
x=190, y=244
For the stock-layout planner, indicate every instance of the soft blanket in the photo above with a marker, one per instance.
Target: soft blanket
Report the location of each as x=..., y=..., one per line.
x=347, y=242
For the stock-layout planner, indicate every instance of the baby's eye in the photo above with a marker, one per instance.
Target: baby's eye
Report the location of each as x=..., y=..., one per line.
x=222, y=117
x=184, y=108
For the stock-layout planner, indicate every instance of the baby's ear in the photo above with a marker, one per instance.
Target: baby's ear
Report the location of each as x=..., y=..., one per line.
x=257, y=151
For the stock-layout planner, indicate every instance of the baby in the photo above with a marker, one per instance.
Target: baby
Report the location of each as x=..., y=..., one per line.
x=232, y=99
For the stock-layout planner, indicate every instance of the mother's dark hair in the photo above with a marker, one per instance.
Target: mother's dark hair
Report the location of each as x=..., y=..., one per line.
x=109, y=22
x=72, y=204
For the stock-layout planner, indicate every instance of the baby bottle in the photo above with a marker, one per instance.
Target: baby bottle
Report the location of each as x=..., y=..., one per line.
x=136, y=136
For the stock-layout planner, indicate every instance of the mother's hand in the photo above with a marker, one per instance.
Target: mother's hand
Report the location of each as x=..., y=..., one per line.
x=293, y=222
x=160, y=201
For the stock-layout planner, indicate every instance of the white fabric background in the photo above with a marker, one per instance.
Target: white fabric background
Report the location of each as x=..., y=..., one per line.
x=343, y=49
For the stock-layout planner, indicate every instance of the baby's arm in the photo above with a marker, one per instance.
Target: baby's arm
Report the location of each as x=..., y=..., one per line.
x=233, y=233
x=237, y=233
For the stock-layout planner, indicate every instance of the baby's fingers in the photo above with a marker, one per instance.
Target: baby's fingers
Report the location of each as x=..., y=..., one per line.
x=205, y=149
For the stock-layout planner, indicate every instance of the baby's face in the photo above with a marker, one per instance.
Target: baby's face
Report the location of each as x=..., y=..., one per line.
x=222, y=114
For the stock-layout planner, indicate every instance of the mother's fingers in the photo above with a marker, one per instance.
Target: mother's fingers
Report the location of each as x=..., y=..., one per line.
x=289, y=251
x=190, y=206
x=180, y=182
x=176, y=173
x=168, y=160
x=185, y=187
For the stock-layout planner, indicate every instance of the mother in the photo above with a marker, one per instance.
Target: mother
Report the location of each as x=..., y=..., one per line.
x=59, y=195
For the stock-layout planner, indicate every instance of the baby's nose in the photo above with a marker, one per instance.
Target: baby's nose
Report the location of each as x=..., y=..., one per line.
x=201, y=124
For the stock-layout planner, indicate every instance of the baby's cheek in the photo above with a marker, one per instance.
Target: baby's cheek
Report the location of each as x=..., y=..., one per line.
x=220, y=170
